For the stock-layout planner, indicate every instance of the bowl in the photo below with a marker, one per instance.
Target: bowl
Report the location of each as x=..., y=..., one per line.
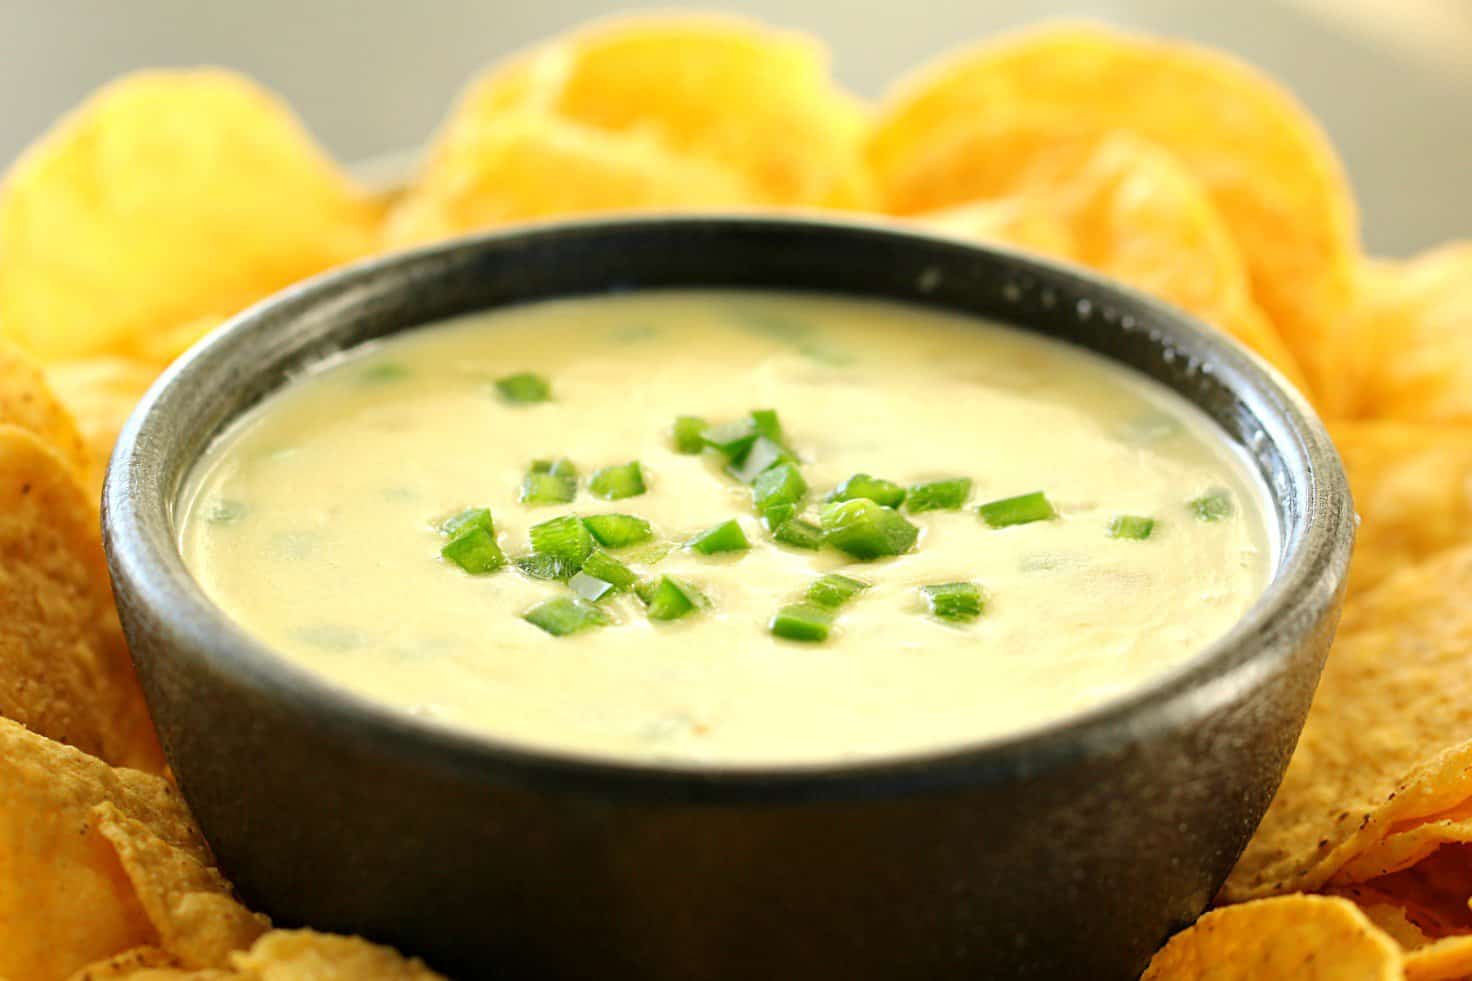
x=1070, y=850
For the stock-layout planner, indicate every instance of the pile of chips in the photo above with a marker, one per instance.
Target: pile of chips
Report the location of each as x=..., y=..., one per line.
x=169, y=201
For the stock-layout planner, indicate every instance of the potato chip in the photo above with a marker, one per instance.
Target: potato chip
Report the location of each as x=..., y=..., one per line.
x=72, y=832
x=100, y=393
x=167, y=197
x=1416, y=321
x=1133, y=212
x=722, y=89
x=528, y=166
x=1412, y=486
x=1388, y=742
x=304, y=955
x=1270, y=171
x=1307, y=938
x=63, y=669
x=28, y=402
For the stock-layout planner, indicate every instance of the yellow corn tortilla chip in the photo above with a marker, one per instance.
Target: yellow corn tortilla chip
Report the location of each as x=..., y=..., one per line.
x=528, y=166
x=27, y=401
x=1412, y=486
x=1132, y=211
x=145, y=964
x=1444, y=960
x=1306, y=938
x=1416, y=325
x=304, y=955
x=100, y=394
x=71, y=831
x=168, y=196
x=722, y=89
x=1270, y=171
x=1386, y=745
x=64, y=671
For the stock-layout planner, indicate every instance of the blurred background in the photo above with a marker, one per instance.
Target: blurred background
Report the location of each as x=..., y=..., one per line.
x=1390, y=79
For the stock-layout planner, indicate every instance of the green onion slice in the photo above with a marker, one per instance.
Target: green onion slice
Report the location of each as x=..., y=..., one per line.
x=475, y=550
x=617, y=482
x=867, y=530
x=524, y=388
x=778, y=489
x=1131, y=526
x=724, y=537
x=618, y=530
x=669, y=598
x=565, y=538
x=863, y=486
x=957, y=601
x=1019, y=510
x=939, y=495
x=1214, y=505
x=799, y=534
x=564, y=615
x=802, y=622
x=601, y=565
x=833, y=590
x=467, y=519
x=687, y=432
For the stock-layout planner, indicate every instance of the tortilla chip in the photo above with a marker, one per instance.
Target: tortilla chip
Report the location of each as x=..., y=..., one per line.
x=28, y=402
x=721, y=89
x=1445, y=960
x=528, y=166
x=64, y=671
x=1416, y=322
x=1270, y=171
x=146, y=964
x=1412, y=486
x=1307, y=938
x=69, y=897
x=164, y=348
x=100, y=393
x=1386, y=747
x=169, y=196
x=304, y=955
x=1132, y=211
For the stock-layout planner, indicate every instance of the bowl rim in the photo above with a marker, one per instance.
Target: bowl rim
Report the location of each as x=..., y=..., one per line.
x=143, y=555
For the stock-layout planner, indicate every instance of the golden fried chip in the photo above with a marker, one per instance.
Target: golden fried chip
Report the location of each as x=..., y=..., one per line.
x=1416, y=322
x=1307, y=938
x=527, y=166
x=1388, y=742
x=1444, y=960
x=304, y=955
x=164, y=347
x=718, y=88
x=71, y=831
x=1132, y=211
x=1412, y=486
x=167, y=197
x=28, y=402
x=1271, y=173
x=100, y=393
x=63, y=669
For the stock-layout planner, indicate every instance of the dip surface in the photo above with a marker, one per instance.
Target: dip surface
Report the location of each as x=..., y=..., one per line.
x=315, y=523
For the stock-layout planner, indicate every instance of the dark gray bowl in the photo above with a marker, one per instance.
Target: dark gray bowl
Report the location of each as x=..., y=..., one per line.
x=1070, y=851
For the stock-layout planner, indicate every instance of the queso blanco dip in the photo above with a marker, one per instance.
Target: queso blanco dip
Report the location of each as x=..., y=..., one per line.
x=410, y=522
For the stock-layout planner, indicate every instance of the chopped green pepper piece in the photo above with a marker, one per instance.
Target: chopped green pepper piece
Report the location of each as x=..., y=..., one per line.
x=564, y=615
x=1131, y=526
x=524, y=388
x=1214, y=505
x=778, y=489
x=669, y=598
x=618, y=530
x=549, y=482
x=867, y=530
x=799, y=534
x=802, y=622
x=938, y=495
x=724, y=537
x=687, y=434
x=617, y=482
x=731, y=439
x=566, y=538
x=601, y=565
x=833, y=590
x=474, y=550
x=383, y=371
x=766, y=423
x=861, y=485
x=550, y=567
x=467, y=519
x=958, y=601
x=763, y=456
x=777, y=515
x=1018, y=510
x=590, y=588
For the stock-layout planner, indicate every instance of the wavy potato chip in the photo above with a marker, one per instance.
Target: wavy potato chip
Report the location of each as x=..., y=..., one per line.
x=1416, y=323
x=529, y=166
x=1307, y=938
x=100, y=394
x=723, y=89
x=166, y=197
x=1270, y=171
x=1412, y=486
x=1130, y=210
x=1387, y=747
x=64, y=671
